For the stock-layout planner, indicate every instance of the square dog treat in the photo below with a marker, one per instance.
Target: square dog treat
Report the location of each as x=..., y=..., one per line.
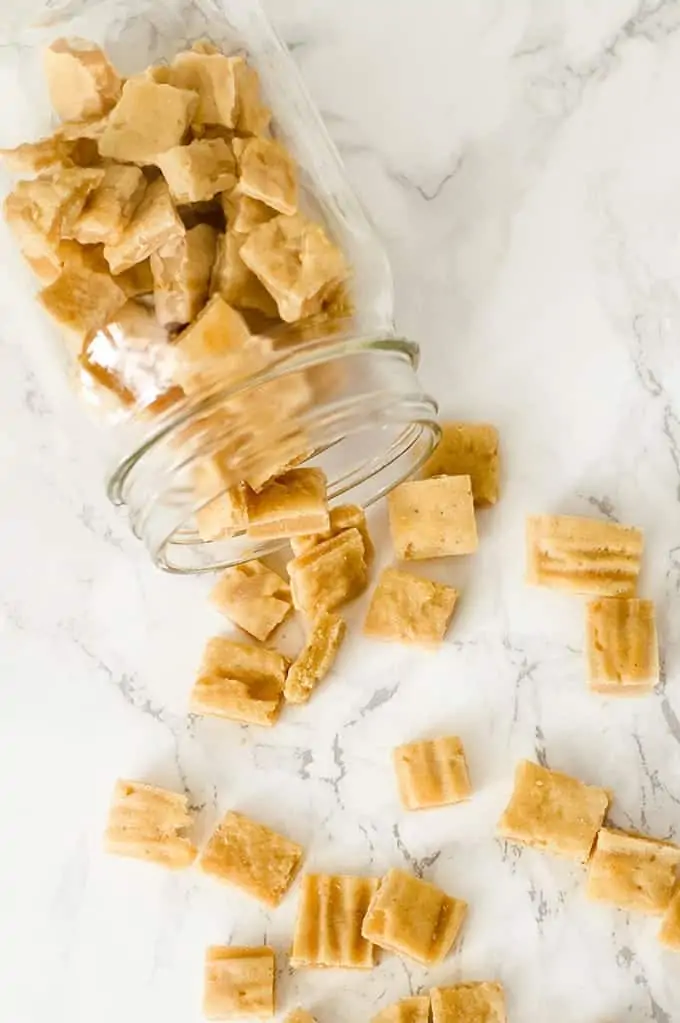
x=342, y=517
x=110, y=206
x=329, y=575
x=316, y=659
x=433, y=518
x=235, y=282
x=669, y=935
x=468, y=449
x=147, y=120
x=267, y=173
x=632, y=871
x=148, y=823
x=197, y=172
x=211, y=76
x=413, y=918
x=409, y=1010
x=477, y=1002
x=328, y=926
x=239, y=682
x=181, y=272
x=553, y=812
x=291, y=505
x=154, y=223
x=81, y=302
x=252, y=116
x=212, y=347
x=250, y=856
x=622, y=646
x=582, y=555
x=239, y=983
x=407, y=609
x=81, y=81
x=253, y=597
x=432, y=773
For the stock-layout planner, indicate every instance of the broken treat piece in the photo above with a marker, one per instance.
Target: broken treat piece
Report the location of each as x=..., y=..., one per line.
x=432, y=772
x=244, y=214
x=250, y=856
x=342, y=517
x=80, y=301
x=148, y=120
x=329, y=575
x=468, y=449
x=407, y=609
x=476, y=1002
x=198, y=171
x=82, y=83
x=583, y=555
x=433, y=518
x=409, y=1010
x=234, y=281
x=154, y=223
x=211, y=76
x=253, y=597
x=328, y=925
x=239, y=682
x=267, y=172
x=413, y=918
x=211, y=349
x=316, y=659
x=48, y=154
x=148, y=823
x=224, y=516
x=669, y=935
x=622, y=646
x=632, y=871
x=181, y=272
x=239, y=983
x=110, y=206
x=553, y=812
x=291, y=505
x=252, y=116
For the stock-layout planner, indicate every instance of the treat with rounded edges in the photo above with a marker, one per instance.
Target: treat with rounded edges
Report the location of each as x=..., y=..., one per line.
x=330, y=574
x=476, y=1002
x=198, y=171
x=669, y=935
x=581, y=555
x=316, y=659
x=267, y=172
x=632, y=871
x=154, y=223
x=253, y=597
x=291, y=505
x=239, y=983
x=81, y=81
x=433, y=518
x=147, y=120
x=468, y=449
x=109, y=208
x=328, y=925
x=181, y=272
x=239, y=682
x=149, y=823
x=409, y=1010
x=622, y=647
x=407, y=609
x=342, y=517
x=432, y=772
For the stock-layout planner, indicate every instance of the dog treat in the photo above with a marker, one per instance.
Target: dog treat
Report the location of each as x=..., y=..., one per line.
x=253, y=597
x=477, y=1002
x=432, y=773
x=234, y=281
x=669, y=935
x=239, y=682
x=582, y=555
x=632, y=871
x=409, y=1010
x=267, y=173
x=148, y=823
x=468, y=449
x=181, y=271
x=342, y=517
x=553, y=812
x=154, y=223
x=328, y=926
x=433, y=518
x=81, y=81
x=244, y=214
x=299, y=1016
x=80, y=302
x=110, y=206
x=329, y=575
x=212, y=347
x=239, y=983
x=250, y=856
x=252, y=116
x=211, y=76
x=198, y=171
x=622, y=646
x=291, y=505
x=407, y=609
x=148, y=120
x=316, y=659
x=225, y=514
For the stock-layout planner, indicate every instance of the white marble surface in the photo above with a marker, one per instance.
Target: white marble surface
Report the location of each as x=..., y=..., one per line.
x=522, y=161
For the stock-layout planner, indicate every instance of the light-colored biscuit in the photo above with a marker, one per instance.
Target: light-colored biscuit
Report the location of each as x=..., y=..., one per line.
x=583, y=555
x=468, y=449
x=250, y=856
x=253, y=597
x=316, y=659
x=198, y=171
x=48, y=154
x=211, y=76
x=239, y=983
x=110, y=206
x=292, y=505
x=622, y=647
x=81, y=81
x=211, y=349
x=181, y=271
x=331, y=574
x=148, y=823
x=554, y=812
x=413, y=918
x=669, y=935
x=476, y=1002
x=244, y=214
x=409, y=1010
x=432, y=772
x=148, y=120
x=234, y=281
x=632, y=871
x=154, y=223
x=342, y=517
x=407, y=609
x=239, y=682
x=80, y=302
x=433, y=518
x=267, y=172
x=328, y=925
x=252, y=116
x=224, y=516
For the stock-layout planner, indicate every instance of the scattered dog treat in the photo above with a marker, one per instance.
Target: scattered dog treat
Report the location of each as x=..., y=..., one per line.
x=198, y=171
x=316, y=659
x=669, y=935
x=253, y=597
x=267, y=173
x=433, y=518
x=292, y=505
x=582, y=555
x=154, y=223
x=632, y=871
x=239, y=983
x=342, y=517
x=148, y=120
x=224, y=515
x=480, y=1002
x=330, y=574
x=432, y=772
x=622, y=646
x=81, y=81
x=110, y=206
x=468, y=449
x=148, y=823
x=407, y=609
x=409, y=1010
x=328, y=927
x=240, y=682
x=209, y=75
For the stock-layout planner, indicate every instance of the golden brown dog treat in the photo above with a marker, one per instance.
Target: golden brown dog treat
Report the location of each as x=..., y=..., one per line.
x=299, y=1016
x=413, y=918
x=252, y=116
x=331, y=574
x=47, y=154
x=553, y=812
x=250, y=856
x=148, y=823
x=407, y=609
x=582, y=555
x=181, y=272
x=138, y=280
x=244, y=214
x=669, y=935
x=111, y=205
x=433, y=518
x=81, y=81
x=267, y=173
x=477, y=1002
x=468, y=449
x=253, y=597
x=234, y=281
x=224, y=516
x=239, y=682
x=239, y=983
x=291, y=505
x=632, y=871
x=212, y=347
x=211, y=76
x=154, y=223
x=316, y=659
x=409, y=1010
x=622, y=646
x=80, y=302
x=148, y=120
x=432, y=773
x=197, y=172
x=328, y=925
x=342, y=517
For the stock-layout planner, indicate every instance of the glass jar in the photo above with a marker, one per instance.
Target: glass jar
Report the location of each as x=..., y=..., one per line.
x=336, y=389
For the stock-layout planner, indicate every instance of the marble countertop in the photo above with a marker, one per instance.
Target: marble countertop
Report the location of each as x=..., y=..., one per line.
x=522, y=162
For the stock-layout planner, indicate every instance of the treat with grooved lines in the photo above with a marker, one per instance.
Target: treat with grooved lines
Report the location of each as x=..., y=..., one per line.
x=342, y=517
x=253, y=597
x=468, y=449
x=476, y=1002
x=239, y=983
x=669, y=935
x=148, y=823
x=409, y=1010
x=154, y=223
x=291, y=505
x=198, y=171
x=81, y=81
x=407, y=609
x=581, y=555
x=329, y=575
x=181, y=271
x=554, y=812
x=250, y=856
x=328, y=926
x=212, y=347
x=267, y=173
x=148, y=120
x=622, y=646
x=432, y=772
x=316, y=659
x=110, y=206
x=433, y=518
x=632, y=871
x=239, y=682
